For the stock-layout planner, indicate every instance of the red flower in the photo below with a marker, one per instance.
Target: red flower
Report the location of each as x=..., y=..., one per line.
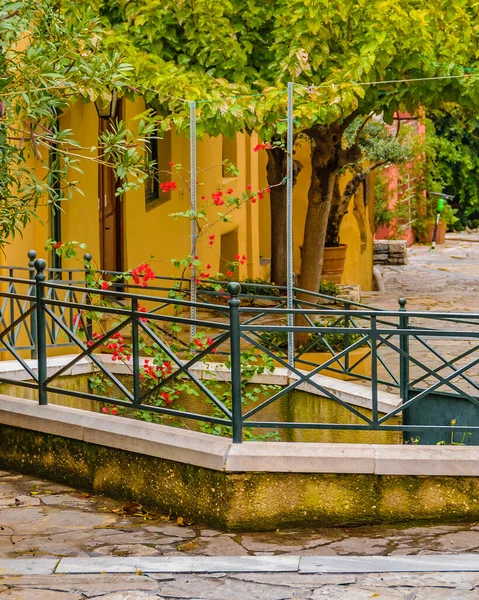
x=249, y=187
x=209, y=341
x=114, y=411
x=212, y=240
x=105, y=285
x=253, y=199
x=229, y=273
x=57, y=245
x=171, y=163
x=104, y=409
x=217, y=199
x=237, y=257
x=229, y=191
x=268, y=190
x=259, y=147
x=166, y=397
x=168, y=186
x=208, y=266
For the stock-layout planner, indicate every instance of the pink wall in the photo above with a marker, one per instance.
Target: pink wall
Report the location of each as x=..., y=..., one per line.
x=392, y=175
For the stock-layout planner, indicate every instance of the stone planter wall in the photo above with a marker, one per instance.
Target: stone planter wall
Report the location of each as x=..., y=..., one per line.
x=390, y=252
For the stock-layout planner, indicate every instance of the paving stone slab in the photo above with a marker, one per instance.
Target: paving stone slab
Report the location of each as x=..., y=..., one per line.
x=179, y=564
x=27, y=566
x=389, y=564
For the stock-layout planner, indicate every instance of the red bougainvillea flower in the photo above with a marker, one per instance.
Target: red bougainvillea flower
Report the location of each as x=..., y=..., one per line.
x=253, y=199
x=208, y=266
x=248, y=187
x=104, y=409
x=212, y=240
x=203, y=197
x=242, y=260
x=114, y=410
x=229, y=273
x=167, y=186
x=105, y=285
x=268, y=190
x=260, y=195
x=171, y=163
x=209, y=341
x=237, y=257
x=57, y=245
x=217, y=199
x=166, y=397
x=204, y=275
x=142, y=274
x=265, y=146
x=229, y=191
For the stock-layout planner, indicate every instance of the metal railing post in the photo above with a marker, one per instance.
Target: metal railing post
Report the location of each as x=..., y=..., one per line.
x=32, y=255
x=40, y=277
x=234, y=289
x=404, y=347
x=135, y=349
x=346, y=340
x=374, y=372
x=87, y=258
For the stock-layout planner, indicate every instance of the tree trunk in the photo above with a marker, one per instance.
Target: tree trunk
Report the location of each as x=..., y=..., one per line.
x=339, y=207
x=327, y=157
x=276, y=172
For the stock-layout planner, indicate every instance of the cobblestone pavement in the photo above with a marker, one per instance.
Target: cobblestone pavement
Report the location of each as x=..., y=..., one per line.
x=445, y=280
x=45, y=519
x=238, y=586
x=40, y=519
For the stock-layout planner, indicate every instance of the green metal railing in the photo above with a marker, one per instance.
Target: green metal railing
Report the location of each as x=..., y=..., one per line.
x=426, y=357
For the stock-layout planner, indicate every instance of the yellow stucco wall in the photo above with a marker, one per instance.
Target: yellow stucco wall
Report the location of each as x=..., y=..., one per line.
x=359, y=260
x=150, y=231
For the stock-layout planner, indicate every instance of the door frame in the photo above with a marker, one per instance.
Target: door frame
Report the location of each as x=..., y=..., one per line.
x=104, y=188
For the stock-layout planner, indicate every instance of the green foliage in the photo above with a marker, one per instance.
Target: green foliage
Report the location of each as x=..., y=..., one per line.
x=51, y=56
x=383, y=215
x=317, y=341
x=453, y=158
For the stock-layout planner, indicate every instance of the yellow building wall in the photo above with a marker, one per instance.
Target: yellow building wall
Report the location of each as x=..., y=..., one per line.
x=150, y=231
x=359, y=259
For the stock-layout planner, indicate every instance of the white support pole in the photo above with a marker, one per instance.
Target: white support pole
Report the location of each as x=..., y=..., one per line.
x=289, y=223
x=193, y=207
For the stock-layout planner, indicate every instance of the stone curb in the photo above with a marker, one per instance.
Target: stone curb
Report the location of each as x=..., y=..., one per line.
x=458, y=563
x=220, y=454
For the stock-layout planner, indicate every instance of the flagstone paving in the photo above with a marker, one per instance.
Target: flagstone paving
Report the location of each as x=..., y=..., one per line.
x=64, y=522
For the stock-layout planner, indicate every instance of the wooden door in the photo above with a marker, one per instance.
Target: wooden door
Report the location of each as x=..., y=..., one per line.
x=110, y=213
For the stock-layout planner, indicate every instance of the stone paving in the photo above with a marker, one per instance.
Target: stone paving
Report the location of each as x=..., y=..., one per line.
x=41, y=519
x=45, y=519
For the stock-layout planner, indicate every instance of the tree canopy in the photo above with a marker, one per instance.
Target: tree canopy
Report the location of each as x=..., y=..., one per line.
x=51, y=56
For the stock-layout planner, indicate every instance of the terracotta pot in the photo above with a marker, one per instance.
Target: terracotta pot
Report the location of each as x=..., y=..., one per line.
x=426, y=237
x=333, y=263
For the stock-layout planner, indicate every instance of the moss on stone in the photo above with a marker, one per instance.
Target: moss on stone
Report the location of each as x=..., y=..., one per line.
x=239, y=501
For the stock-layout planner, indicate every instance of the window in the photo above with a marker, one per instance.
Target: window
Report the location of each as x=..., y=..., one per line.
x=229, y=153
x=159, y=151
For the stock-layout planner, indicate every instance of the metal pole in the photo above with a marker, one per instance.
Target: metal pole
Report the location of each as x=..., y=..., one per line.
x=234, y=290
x=40, y=277
x=87, y=258
x=403, y=358
x=289, y=223
x=33, y=319
x=193, y=207
x=135, y=350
